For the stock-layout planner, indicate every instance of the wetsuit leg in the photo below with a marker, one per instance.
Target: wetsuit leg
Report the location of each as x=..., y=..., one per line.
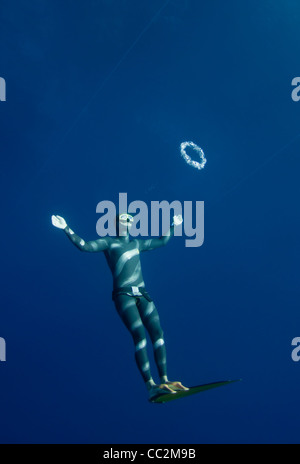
x=129, y=313
x=151, y=321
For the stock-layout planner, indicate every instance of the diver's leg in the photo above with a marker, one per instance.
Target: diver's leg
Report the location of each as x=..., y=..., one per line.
x=151, y=320
x=127, y=309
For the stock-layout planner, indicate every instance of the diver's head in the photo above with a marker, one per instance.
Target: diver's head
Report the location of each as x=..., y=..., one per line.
x=124, y=223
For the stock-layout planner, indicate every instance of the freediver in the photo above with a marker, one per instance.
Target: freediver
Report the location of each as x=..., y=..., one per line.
x=132, y=301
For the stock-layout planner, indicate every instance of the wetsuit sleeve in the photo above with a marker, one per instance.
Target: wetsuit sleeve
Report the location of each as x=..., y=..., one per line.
x=153, y=243
x=93, y=246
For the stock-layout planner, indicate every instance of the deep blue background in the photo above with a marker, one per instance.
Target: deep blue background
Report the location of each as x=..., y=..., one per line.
x=85, y=120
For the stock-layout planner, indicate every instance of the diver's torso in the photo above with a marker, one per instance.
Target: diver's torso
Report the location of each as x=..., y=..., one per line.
x=123, y=259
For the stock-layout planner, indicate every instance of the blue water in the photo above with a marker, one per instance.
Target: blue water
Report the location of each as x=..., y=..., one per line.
x=99, y=97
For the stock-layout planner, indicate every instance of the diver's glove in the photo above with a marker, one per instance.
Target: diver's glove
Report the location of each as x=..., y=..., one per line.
x=177, y=220
x=59, y=222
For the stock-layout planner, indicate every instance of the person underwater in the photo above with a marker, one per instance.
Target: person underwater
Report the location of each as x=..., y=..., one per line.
x=133, y=303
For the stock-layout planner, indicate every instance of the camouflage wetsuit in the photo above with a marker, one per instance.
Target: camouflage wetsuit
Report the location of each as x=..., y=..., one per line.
x=131, y=299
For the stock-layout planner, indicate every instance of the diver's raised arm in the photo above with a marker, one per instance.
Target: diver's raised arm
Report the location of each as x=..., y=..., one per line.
x=93, y=246
x=153, y=243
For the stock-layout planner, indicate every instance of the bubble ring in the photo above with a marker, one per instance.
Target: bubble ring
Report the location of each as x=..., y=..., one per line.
x=188, y=159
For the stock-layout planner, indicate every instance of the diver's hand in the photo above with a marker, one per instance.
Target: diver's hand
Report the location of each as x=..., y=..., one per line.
x=59, y=222
x=177, y=220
